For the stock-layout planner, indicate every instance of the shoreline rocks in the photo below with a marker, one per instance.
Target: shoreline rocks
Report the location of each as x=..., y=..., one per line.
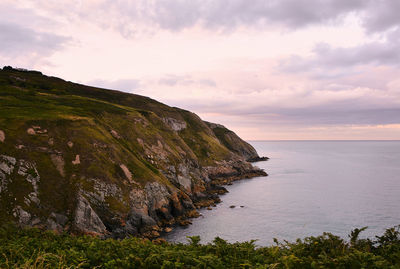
x=257, y=159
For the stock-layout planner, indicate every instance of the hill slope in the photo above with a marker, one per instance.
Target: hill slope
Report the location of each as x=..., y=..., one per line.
x=91, y=160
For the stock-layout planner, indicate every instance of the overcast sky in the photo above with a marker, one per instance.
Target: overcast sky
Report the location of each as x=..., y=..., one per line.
x=267, y=69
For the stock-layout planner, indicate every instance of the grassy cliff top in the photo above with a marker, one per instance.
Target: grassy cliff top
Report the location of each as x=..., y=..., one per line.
x=31, y=96
x=28, y=84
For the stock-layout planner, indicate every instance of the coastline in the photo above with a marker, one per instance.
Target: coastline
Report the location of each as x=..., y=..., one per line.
x=108, y=163
x=218, y=178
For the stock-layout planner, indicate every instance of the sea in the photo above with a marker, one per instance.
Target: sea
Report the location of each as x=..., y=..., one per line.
x=312, y=187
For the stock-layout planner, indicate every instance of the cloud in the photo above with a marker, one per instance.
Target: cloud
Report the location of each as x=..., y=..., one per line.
x=305, y=106
x=26, y=45
x=376, y=53
x=121, y=84
x=173, y=80
x=16, y=41
x=329, y=62
x=11, y=14
x=380, y=16
x=185, y=80
x=228, y=14
x=130, y=17
x=225, y=15
x=366, y=96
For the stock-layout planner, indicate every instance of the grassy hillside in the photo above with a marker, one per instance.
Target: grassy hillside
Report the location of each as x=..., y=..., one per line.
x=33, y=248
x=29, y=95
x=79, y=158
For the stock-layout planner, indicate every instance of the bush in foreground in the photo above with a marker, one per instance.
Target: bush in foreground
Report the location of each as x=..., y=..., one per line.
x=33, y=248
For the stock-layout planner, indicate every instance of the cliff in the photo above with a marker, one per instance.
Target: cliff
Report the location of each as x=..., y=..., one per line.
x=88, y=160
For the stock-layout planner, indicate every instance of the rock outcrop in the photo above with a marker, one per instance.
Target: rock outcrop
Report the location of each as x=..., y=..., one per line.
x=235, y=143
x=108, y=163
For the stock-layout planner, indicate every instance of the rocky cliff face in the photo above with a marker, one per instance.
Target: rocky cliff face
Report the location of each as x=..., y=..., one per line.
x=95, y=161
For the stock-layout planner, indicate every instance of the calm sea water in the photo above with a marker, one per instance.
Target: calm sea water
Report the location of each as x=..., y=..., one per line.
x=312, y=187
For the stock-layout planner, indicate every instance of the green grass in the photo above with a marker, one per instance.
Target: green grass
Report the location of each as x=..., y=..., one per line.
x=33, y=96
x=32, y=248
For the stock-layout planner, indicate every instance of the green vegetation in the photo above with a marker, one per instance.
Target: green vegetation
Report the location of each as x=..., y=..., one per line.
x=32, y=248
x=120, y=152
x=29, y=96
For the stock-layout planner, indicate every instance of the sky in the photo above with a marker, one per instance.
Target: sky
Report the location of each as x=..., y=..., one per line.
x=267, y=69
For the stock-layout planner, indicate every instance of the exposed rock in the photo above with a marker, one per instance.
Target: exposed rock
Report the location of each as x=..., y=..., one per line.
x=206, y=202
x=7, y=164
x=257, y=159
x=2, y=136
x=31, y=131
x=157, y=195
x=176, y=125
x=44, y=131
x=141, y=221
x=115, y=134
x=35, y=221
x=156, y=151
x=155, y=234
x=185, y=182
x=193, y=214
x=217, y=189
x=20, y=146
x=58, y=162
x=141, y=121
x=86, y=218
x=138, y=201
x=215, y=125
x=151, y=234
x=53, y=226
x=147, y=221
x=56, y=222
x=36, y=130
x=21, y=215
x=159, y=241
x=233, y=142
x=232, y=206
x=184, y=222
x=25, y=169
x=77, y=160
x=33, y=196
x=101, y=190
x=228, y=171
x=51, y=141
x=167, y=229
x=60, y=218
x=140, y=141
x=30, y=172
x=126, y=171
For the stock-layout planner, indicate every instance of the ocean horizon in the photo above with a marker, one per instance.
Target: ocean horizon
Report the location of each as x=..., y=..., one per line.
x=314, y=186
